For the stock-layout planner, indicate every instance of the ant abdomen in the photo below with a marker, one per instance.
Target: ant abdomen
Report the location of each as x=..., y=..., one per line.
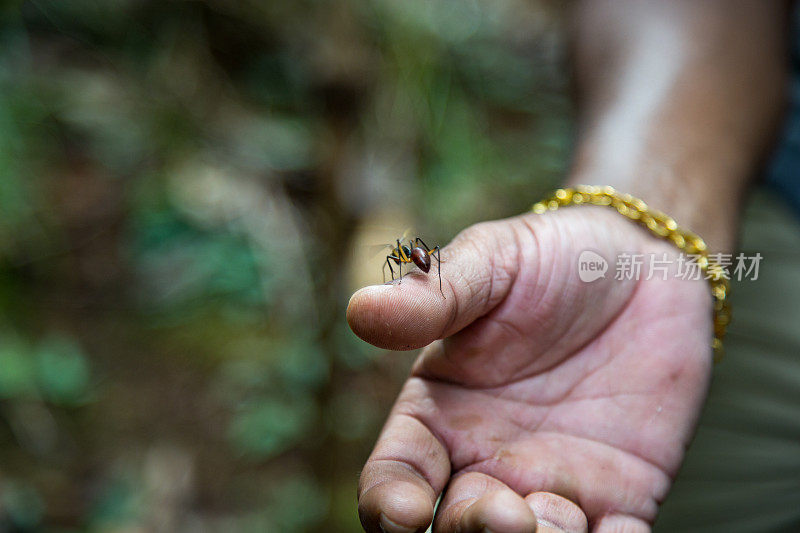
x=421, y=258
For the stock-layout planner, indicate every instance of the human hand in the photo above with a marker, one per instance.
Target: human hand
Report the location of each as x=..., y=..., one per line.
x=538, y=397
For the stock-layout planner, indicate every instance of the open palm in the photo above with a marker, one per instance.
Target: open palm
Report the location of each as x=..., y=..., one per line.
x=539, y=397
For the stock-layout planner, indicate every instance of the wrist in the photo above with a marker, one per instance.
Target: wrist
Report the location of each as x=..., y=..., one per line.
x=661, y=225
x=709, y=208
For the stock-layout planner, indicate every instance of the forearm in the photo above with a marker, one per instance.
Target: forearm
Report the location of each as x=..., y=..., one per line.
x=679, y=102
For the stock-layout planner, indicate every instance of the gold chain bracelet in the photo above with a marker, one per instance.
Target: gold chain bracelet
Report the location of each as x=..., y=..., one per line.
x=661, y=226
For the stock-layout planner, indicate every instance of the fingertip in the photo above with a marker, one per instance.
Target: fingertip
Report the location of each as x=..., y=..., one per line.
x=396, y=507
x=501, y=511
x=395, y=317
x=361, y=302
x=362, y=315
x=557, y=513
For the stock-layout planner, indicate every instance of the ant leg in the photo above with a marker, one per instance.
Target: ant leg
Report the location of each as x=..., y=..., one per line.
x=420, y=241
x=439, y=261
x=390, y=267
x=430, y=250
x=438, y=253
x=400, y=260
x=438, y=258
x=435, y=250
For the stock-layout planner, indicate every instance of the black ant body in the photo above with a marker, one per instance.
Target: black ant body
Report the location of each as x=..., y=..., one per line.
x=416, y=252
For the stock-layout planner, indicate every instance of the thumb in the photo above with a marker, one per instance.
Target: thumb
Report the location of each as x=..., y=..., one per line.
x=478, y=269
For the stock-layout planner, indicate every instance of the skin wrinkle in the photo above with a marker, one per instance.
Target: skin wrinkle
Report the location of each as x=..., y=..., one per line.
x=473, y=237
x=596, y=523
x=543, y=304
x=404, y=464
x=544, y=422
x=508, y=326
x=582, y=380
x=421, y=374
x=570, y=330
x=363, y=490
x=459, y=514
x=547, y=484
x=607, y=361
x=455, y=308
x=614, y=319
x=557, y=512
x=549, y=375
x=535, y=429
x=520, y=256
x=418, y=419
x=512, y=273
x=492, y=301
x=528, y=430
x=413, y=466
x=551, y=270
x=459, y=507
x=510, y=280
x=478, y=252
x=658, y=468
x=565, y=399
x=494, y=268
x=567, y=334
x=564, y=336
x=462, y=473
x=544, y=370
x=649, y=465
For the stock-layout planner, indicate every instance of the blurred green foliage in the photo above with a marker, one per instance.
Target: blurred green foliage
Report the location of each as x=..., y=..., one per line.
x=181, y=188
